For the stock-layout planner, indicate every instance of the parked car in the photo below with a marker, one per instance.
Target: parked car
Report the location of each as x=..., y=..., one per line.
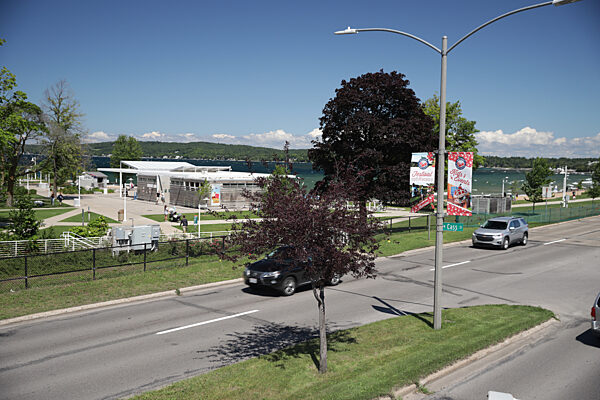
x=596, y=315
x=280, y=271
x=501, y=232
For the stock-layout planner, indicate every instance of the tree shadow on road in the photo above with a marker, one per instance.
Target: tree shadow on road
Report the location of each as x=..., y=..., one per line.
x=276, y=343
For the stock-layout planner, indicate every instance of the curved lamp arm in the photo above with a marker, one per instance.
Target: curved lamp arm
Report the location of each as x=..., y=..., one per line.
x=349, y=31
x=500, y=17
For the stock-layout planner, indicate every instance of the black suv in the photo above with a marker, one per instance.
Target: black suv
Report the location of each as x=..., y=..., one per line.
x=279, y=271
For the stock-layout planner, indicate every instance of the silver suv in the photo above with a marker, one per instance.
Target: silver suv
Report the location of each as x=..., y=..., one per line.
x=501, y=232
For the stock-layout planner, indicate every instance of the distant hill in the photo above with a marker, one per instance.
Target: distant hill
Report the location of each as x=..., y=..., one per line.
x=199, y=150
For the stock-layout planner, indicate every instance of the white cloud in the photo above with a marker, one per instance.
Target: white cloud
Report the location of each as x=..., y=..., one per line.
x=98, y=137
x=153, y=136
x=223, y=136
x=187, y=137
x=528, y=142
x=315, y=133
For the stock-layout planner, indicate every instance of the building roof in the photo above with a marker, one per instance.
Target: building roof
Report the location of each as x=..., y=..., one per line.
x=157, y=165
x=96, y=174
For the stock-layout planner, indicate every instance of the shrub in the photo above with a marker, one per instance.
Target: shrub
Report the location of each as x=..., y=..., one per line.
x=97, y=227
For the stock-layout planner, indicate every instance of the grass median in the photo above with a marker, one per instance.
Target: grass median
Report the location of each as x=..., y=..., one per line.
x=365, y=362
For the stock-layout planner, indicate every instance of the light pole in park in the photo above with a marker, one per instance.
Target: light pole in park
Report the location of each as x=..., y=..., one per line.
x=439, y=237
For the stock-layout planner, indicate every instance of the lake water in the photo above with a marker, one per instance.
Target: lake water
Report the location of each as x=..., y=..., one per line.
x=485, y=180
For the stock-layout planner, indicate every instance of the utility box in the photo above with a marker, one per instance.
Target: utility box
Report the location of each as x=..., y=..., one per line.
x=136, y=238
x=491, y=204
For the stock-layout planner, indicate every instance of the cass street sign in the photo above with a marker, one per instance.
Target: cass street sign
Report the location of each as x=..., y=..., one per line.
x=448, y=226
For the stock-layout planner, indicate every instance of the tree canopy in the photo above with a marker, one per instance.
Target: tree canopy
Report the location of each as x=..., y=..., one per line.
x=125, y=148
x=20, y=122
x=594, y=191
x=460, y=132
x=62, y=143
x=535, y=179
x=320, y=228
x=370, y=128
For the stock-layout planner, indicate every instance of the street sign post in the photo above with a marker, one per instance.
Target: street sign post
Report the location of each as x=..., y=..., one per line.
x=452, y=227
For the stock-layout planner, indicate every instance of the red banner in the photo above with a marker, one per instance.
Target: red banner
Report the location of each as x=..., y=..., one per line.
x=422, y=203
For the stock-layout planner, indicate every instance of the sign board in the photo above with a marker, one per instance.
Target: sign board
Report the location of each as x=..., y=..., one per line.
x=546, y=192
x=422, y=169
x=452, y=227
x=422, y=203
x=460, y=171
x=215, y=195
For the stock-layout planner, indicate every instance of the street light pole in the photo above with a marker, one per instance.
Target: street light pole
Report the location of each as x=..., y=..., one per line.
x=439, y=238
x=439, y=210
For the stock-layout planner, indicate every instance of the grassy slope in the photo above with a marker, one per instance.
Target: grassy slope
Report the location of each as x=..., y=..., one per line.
x=364, y=362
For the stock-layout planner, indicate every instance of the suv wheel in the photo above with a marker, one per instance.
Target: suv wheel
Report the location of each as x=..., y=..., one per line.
x=505, y=243
x=288, y=286
x=335, y=280
x=524, y=240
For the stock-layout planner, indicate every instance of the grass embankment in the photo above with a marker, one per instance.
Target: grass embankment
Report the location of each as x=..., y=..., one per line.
x=162, y=276
x=363, y=362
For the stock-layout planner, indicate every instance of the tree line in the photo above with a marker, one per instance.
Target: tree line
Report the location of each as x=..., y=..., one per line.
x=578, y=164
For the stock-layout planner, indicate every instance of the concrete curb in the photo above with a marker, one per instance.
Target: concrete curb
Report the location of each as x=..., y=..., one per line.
x=522, y=336
x=127, y=300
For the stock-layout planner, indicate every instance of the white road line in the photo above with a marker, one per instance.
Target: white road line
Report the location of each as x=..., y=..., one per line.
x=206, y=322
x=452, y=265
x=556, y=241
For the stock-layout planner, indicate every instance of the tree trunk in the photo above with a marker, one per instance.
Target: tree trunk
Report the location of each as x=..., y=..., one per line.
x=322, y=328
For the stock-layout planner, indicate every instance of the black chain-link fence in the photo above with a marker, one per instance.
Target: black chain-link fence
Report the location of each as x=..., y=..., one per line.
x=34, y=270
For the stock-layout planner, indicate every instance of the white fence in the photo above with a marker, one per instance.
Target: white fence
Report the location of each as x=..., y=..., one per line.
x=71, y=242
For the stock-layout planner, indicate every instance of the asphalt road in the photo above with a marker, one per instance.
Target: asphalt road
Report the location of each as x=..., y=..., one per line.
x=119, y=351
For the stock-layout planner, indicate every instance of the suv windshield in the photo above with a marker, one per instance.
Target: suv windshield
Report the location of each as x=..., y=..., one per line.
x=500, y=225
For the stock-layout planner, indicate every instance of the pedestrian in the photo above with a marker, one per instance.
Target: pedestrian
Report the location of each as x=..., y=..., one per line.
x=60, y=198
x=157, y=197
x=162, y=198
x=52, y=199
x=184, y=223
x=166, y=212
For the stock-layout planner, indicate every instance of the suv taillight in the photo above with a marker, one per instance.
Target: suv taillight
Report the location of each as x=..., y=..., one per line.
x=594, y=313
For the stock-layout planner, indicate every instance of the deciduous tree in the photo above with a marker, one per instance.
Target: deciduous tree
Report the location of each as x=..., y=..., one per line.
x=125, y=148
x=62, y=143
x=594, y=191
x=370, y=128
x=20, y=123
x=535, y=179
x=460, y=132
x=317, y=227
x=24, y=224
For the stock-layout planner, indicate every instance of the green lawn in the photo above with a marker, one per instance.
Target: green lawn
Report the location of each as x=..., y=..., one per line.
x=161, y=276
x=88, y=216
x=40, y=213
x=363, y=363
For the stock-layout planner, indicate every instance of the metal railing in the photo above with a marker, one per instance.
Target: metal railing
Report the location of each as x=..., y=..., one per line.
x=36, y=270
x=70, y=241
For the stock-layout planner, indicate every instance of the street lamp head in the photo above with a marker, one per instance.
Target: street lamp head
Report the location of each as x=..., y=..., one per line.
x=347, y=31
x=562, y=2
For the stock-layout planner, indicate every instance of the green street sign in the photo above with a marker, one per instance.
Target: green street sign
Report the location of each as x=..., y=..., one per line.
x=448, y=226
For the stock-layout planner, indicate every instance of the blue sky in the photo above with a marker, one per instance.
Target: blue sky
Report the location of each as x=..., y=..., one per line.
x=260, y=72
